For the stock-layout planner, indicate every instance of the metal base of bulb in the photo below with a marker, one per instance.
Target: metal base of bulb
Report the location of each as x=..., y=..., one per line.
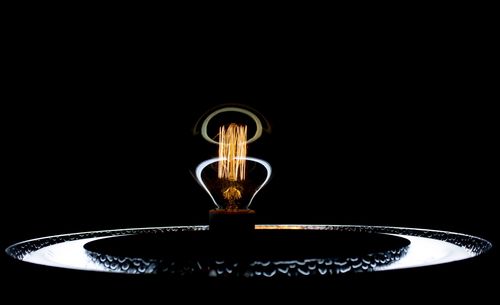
x=231, y=221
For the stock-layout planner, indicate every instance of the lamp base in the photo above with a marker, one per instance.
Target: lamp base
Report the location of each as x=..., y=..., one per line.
x=231, y=221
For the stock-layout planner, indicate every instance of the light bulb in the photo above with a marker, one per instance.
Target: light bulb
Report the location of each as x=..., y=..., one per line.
x=233, y=179
x=233, y=195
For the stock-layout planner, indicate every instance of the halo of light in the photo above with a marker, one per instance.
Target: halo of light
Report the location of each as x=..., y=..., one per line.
x=427, y=247
x=258, y=123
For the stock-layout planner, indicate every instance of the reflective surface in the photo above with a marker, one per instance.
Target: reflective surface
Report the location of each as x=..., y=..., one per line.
x=267, y=253
x=424, y=247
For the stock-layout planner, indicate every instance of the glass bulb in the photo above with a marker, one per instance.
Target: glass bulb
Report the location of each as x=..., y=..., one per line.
x=227, y=193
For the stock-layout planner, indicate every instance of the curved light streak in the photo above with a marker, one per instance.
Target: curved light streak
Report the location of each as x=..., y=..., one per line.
x=204, y=164
x=258, y=124
x=427, y=247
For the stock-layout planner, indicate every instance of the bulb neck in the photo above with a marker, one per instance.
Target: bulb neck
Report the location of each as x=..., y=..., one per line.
x=231, y=221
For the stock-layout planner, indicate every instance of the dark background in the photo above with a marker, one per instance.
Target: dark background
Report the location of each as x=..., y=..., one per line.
x=377, y=127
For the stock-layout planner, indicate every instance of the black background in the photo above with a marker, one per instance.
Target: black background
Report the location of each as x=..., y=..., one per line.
x=371, y=127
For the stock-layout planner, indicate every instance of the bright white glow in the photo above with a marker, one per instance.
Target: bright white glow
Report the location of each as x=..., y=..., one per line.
x=69, y=254
x=202, y=165
x=427, y=251
x=422, y=251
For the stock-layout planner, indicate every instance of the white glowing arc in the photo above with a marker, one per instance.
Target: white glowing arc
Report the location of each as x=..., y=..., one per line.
x=202, y=165
x=427, y=247
x=258, y=123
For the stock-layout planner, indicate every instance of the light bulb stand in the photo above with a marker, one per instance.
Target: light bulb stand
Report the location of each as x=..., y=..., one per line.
x=232, y=221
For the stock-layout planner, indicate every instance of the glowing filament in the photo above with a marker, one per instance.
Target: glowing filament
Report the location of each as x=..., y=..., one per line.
x=232, y=152
x=232, y=194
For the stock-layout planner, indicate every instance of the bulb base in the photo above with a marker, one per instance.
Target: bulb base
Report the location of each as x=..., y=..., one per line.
x=231, y=221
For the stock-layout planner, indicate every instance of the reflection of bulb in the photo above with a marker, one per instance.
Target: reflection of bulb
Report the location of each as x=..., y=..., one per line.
x=230, y=194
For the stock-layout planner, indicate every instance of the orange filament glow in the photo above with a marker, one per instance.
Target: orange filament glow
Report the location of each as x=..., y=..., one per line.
x=232, y=152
